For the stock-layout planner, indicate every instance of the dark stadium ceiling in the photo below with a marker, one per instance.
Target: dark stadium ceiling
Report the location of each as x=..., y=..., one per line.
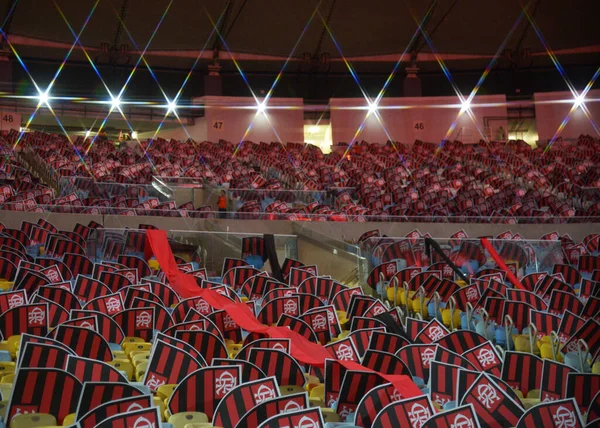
x=261, y=34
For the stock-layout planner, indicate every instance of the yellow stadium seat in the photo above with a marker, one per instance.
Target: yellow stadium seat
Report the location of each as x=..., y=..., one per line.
x=318, y=392
x=119, y=354
x=133, y=339
x=330, y=415
x=7, y=367
x=136, y=346
x=315, y=402
x=5, y=346
x=180, y=420
x=140, y=371
x=530, y=402
x=518, y=392
x=9, y=378
x=140, y=358
x=3, y=407
x=29, y=420
x=6, y=389
x=6, y=285
x=134, y=354
x=69, y=419
x=153, y=264
x=291, y=389
x=161, y=407
x=596, y=367
x=199, y=425
x=123, y=365
x=534, y=393
x=233, y=349
x=165, y=391
x=15, y=341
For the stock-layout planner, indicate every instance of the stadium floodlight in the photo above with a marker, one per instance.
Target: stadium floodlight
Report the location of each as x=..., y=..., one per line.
x=579, y=101
x=134, y=135
x=171, y=106
x=372, y=108
x=115, y=103
x=465, y=106
x=88, y=133
x=43, y=98
x=261, y=107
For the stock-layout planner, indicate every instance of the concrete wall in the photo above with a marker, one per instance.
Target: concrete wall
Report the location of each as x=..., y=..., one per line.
x=411, y=118
x=197, y=131
x=551, y=108
x=228, y=118
x=334, y=230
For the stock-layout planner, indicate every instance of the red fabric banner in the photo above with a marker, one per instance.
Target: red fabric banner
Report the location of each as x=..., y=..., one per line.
x=302, y=349
x=488, y=246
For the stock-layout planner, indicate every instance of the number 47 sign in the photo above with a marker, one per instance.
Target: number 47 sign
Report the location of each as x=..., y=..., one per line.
x=9, y=121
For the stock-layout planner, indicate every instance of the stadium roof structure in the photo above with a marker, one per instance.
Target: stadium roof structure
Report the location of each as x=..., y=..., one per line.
x=261, y=35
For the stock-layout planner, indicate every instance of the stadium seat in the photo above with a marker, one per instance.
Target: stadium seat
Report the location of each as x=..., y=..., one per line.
x=140, y=371
x=290, y=389
x=160, y=403
x=318, y=392
x=69, y=419
x=330, y=415
x=165, y=391
x=29, y=420
x=180, y=420
x=3, y=408
x=123, y=365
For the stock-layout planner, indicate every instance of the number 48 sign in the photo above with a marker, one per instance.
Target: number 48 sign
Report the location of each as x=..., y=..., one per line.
x=9, y=120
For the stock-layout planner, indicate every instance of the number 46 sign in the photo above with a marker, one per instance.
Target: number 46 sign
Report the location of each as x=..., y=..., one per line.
x=9, y=120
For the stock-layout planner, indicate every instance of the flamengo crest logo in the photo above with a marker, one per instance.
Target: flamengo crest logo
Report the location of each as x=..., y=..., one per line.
x=263, y=393
x=487, y=395
x=143, y=320
x=418, y=415
x=142, y=422
x=113, y=304
x=36, y=316
x=486, y=357
x=155, y=381
x=427, y=356
x=461, y=421
x=344, y=352
x=435, y=333
x=319, y=322
x=290, y=307
x=225, y=383
x=564, y=418
x=15, y=300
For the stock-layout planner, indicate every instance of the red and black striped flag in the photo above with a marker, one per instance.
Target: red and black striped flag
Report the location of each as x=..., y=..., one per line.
x=299, y=418
x=270, y=313
x=583, y=388
x=561, y=300
x=137, y=322
x=227, y=326
x=353, y=387
x=299, y=326
x=182, y=345
x=91, y=370
x=569, y=273
x=140, y=292
x=522, y=371
x=64, y=270
x=106, y=326
x=359, y=304
x=561, y=413
x=387, y=342
x=136, y=263
x=95, y=394
x=442, y=382
x=518, y=311
x=384, y=362
x=279, y=364
x=273, y=407
x=110, y=304
x=230, y=263
x=249, y=371
x=361, y=338
x=459, y=417
x=589, y=333
x=8, y=269
x=414, y=326
x=591, y=308
x=112, y=408
x=343, y=350
x=35, y=391
x=47, y=225
x=43, y=355
x=32, y=319
x=203, y=390
x=341, y=301
x=253, y=246
x=442, y=355
x=243, y=398
x=61, y=296
x=432, y=332
x=544, y=322
x=362, y=323
x=149, y=417
x=492, y=404
x=115, y=281
x=374, y=401
x=162, y=318
x=485, y=357
x=236, y=277
x=84, y=342
x=588, y=263
x=164, y=293
x=298, y=275
x=12, y=299
x=209, y=345
x=29, y=280
x=288, y=264
x=100, y=268
x=412, y=412
x=86, y=288
x=589, y=288
x=319, y=320
x=418, y=359
x=569, y=324
x=385, y=270
x=528, y=297
x=512, y=251
x=168, y=364
x=554, y=380
x=56, y=313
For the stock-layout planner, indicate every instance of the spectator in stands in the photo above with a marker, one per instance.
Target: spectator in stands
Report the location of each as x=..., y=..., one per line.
x=222, y=204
